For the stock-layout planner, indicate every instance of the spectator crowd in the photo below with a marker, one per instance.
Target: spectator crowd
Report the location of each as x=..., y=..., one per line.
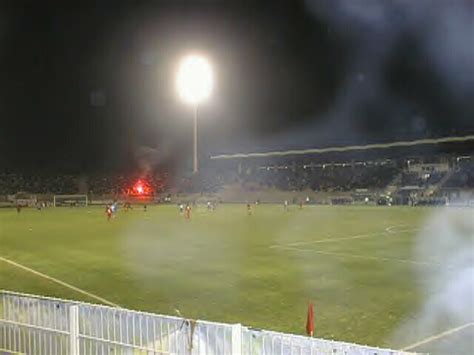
x=98, y=184
x=321, y=177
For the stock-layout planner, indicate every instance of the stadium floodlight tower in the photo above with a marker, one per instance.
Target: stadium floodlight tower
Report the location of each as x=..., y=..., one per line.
x=194, y=83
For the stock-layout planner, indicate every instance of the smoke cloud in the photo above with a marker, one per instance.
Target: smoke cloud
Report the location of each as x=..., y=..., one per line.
x=448, y=291
x=434, y=39
x=147, y=158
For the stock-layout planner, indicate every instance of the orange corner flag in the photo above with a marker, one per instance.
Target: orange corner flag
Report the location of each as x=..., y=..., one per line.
x=310, y=320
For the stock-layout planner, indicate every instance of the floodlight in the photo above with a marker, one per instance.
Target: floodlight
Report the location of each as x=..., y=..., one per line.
x=194, y=80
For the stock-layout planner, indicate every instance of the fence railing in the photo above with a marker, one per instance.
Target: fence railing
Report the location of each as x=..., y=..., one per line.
x=40, y=325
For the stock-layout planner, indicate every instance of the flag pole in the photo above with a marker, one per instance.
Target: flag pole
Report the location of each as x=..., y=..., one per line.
x=310, y=320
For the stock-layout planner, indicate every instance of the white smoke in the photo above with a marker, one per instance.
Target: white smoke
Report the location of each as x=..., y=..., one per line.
x=169, y=251
x=447, y=287
x=441, y=33
x=148, y=158
x=444, y=29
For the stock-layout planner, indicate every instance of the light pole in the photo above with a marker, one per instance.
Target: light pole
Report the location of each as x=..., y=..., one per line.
x=195, y=141
x=194, y=83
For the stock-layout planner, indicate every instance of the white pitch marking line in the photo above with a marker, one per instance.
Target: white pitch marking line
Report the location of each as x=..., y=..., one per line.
x=334, y=239
x=388, y=230
x=437, y=336
x=59, y=282
x=406, y=261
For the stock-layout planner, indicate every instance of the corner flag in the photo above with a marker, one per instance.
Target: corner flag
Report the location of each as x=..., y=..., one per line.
x=310, y=320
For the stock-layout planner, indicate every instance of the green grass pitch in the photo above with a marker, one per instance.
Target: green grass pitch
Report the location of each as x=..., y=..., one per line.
x=353, y=263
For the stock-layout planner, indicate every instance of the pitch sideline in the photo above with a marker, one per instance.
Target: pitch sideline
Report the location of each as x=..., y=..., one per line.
x=59, y=282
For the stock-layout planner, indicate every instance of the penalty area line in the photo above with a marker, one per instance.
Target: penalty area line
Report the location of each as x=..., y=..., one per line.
x=330, y=240
x=387, y=231
x=59, y=282
x=437, y=336
x=367, y=257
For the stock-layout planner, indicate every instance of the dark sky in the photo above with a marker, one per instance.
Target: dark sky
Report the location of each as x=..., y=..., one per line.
x=91, y=86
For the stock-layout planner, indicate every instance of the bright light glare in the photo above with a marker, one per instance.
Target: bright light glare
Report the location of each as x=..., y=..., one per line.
x=194, y=80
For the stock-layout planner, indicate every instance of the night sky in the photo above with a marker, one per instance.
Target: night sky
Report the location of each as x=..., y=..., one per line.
x=90, y=86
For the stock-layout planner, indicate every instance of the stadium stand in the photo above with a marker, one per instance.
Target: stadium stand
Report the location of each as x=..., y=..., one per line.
x=420, y=180
x=414, y=181
x=12, y=183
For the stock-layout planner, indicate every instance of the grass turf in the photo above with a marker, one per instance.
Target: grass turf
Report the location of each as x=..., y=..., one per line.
x=258, y=270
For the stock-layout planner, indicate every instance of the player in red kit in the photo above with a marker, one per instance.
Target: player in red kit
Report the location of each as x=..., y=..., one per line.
x=187, y=211
x=108, y=211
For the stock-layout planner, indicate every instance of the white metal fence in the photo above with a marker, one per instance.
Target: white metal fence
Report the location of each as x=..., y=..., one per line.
x=39, y=325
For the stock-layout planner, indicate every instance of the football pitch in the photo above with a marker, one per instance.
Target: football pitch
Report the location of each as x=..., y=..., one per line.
x=358, y=265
